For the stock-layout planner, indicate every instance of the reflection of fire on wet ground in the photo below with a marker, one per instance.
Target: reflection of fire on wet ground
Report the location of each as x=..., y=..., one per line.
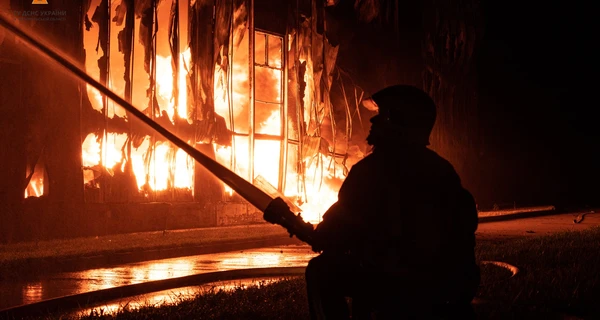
x=245, y=264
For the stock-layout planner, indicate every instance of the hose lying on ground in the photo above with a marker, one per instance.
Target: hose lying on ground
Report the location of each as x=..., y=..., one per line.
x=514, y=270
x=580, y=217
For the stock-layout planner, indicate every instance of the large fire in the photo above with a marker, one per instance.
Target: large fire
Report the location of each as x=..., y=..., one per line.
x=159, y=166
x=169, y=166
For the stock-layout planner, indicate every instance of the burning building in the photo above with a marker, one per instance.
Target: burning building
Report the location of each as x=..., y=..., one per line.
x=224, y=77
x=245, y=82
x=269, y=89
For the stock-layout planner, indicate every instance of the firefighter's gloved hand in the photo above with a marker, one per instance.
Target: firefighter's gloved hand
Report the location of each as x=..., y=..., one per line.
x=276, y=211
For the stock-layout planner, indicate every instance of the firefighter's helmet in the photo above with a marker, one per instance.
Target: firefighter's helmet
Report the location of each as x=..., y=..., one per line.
x=407, y=108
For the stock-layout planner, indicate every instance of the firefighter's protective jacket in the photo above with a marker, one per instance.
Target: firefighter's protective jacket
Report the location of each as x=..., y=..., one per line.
x=404, y=213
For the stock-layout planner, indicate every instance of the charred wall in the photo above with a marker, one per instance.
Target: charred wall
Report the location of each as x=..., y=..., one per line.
x=429, y=44
x=43, y=117
x=12, y=137
x=542, y=143
x=516, y=118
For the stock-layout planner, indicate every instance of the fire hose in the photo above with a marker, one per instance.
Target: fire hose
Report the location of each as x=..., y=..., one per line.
x=275, y=211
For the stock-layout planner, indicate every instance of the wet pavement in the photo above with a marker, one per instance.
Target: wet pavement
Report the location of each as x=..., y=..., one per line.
x=69, y=283
x=53, y=285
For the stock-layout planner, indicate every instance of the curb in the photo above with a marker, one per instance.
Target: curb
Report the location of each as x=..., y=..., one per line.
x=494, y=216
x=94, y=298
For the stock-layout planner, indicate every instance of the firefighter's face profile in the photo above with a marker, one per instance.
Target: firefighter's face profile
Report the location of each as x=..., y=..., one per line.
x=377, y=131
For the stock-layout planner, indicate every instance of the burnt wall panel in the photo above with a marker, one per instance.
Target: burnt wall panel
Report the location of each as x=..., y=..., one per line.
x=270, y=15
x=51, y=98
x=13, y=133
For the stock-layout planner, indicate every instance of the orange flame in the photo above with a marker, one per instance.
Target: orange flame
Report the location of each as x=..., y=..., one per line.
x=170, y=167
x=318, y=189
x=35, y=188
